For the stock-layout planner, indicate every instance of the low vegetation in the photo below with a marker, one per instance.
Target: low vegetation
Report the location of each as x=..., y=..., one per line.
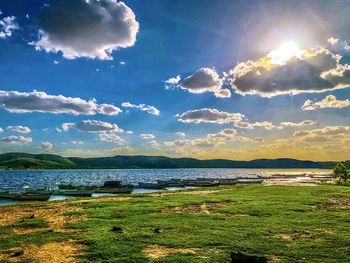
x=277, y=223
x=340, y=173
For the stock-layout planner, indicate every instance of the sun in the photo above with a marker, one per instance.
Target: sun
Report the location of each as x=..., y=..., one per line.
x=284, y=53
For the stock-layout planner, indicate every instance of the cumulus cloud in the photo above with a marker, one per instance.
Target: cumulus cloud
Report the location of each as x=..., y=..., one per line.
x=39, y=101
x=47, y=146
x=299, y=124
x=332, y=40
x=328, y=133
x=205, y=80
x=19, y=129
x=210, y=116
x=147, y=108
x=147, y=136
x=211, y=140
x=1, y=130
x=20, y=140
x=172, y=82
x=269, y=125
x=92, y=126
x=7, y=26
x=92, y=29
x=329, y=101
x=111, y=137
x=310, y=71
x=180, y=134
x=76, y=142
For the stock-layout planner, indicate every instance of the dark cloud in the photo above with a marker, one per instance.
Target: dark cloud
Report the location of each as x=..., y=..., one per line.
x=83, y=28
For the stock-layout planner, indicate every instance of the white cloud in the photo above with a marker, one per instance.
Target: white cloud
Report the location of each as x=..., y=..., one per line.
x=211, y=140
x=111, y=137
x=47, y=146
x=210, y=116
x=7, y=26
x=129, y=132
x=311, y=71
x=122, y=62
x=172, y=82
x=328, y=133
x=92, y=29
x=147, y=136
x=39, y=101
x=332, y=40
x=19, y=129
x=16, y=139
x=77, y=142
x=92, y=126
x=180, y=134
x=1, y=130
x=147, y=108
x=329, y=101
x=298, y=124
x=205, y=80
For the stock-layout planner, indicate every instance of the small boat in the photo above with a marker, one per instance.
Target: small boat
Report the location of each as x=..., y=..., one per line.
x=25, y=196
x=74, y=187
x=42, y=190
x=74, y=192
x=202, y=183
x=152, y=185
x=250, y=180
x=172, y=182
x=122, y=189
x=222, y=181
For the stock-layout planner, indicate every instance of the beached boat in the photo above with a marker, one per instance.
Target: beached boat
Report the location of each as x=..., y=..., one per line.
x=25, y=196
x=202, y=183
x=222, y=181
x=42, y=190
x=74, y=192
x=152, y=185
x=250, y=180
x=172, y=182
x=123, y=189
x=74, y=187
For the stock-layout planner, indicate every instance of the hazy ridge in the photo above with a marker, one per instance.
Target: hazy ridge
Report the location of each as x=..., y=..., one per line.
x=50, y=161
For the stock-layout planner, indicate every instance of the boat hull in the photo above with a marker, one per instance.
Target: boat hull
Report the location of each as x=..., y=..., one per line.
x=73, y=192
x=26, y=197
x=116, y=190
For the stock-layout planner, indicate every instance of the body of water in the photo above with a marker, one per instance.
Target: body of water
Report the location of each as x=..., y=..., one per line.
x=14, y=180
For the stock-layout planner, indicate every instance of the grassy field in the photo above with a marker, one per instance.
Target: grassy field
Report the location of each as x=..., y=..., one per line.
x=281, y=223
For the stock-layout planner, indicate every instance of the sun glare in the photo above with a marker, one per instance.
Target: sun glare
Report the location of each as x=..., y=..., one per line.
x=287, y=51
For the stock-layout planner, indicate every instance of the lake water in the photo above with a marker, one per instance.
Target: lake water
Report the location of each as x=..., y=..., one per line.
x=14, y=180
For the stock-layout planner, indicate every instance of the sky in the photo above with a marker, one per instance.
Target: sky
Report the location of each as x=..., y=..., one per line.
x=206, y=79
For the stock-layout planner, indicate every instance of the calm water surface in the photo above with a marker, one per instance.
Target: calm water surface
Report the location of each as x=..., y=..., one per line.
x=14, y=180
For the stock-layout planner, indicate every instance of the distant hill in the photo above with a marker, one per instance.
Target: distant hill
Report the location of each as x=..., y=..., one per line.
x=49, y=161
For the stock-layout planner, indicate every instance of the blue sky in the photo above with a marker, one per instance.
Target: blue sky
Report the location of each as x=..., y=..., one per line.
x=216, y=109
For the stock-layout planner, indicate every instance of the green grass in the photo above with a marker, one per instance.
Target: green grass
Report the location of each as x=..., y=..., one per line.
x=291, y=224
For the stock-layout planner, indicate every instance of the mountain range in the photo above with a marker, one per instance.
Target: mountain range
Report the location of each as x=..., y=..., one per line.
x=49, y=161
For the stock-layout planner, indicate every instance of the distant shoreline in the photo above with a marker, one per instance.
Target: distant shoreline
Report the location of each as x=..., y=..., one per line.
x=25, y=161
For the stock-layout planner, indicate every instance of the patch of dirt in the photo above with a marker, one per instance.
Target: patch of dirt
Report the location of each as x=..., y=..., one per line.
x=101, y=199
x=28, y=231
x=334, y=203
x=186, y=192
x=53, y=213
x=56, y=252
x=295, y=236
x=155, y=252
x=289, y=183
x=205, y=208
